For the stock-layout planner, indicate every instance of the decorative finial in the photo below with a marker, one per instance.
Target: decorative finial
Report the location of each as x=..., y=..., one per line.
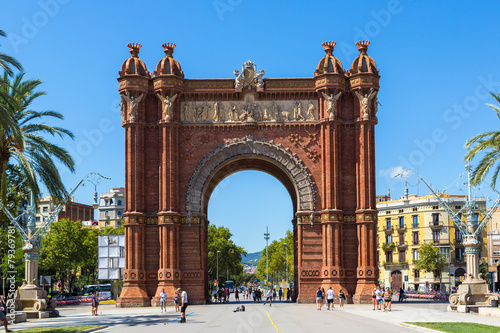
x=329, y=46
x=134, y=48
x=362, y=46
x=168, y=48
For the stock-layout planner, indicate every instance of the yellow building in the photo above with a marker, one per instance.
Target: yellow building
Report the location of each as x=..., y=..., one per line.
x=405, y=224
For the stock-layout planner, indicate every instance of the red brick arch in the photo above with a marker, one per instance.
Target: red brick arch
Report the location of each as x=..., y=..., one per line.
x=183, y=136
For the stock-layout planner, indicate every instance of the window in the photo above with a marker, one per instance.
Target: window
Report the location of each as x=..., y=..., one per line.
x=106, y=214
x=445, y=251
x=415, y=209
x=435, y=219
x=458, y=236
x=388, y=222
x=435, y=207
x=401, y=222
x=415, y=221
x=118, y=223
x=400, y=211
x=388, y=256
x=388, y=239
x=38, y=218
x=476, y=217
x=458, y=207
x=387, y=212
x=416, y=274
x=401, y=239
x=113, y=262
x=402, y=256
x=45, y=208
x=459, y=253
x=119, y=203
x=119, y=213
x=496, y=253
x=106, y=224
x=416, y=256
x=415, y=238
x=436, y=236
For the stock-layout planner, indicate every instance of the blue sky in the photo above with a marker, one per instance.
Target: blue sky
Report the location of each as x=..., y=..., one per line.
x=437, y=62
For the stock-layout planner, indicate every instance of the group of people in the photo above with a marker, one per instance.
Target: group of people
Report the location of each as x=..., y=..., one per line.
x=382, y=299
x=3, y=313
x=329, y=296
x=180, y=302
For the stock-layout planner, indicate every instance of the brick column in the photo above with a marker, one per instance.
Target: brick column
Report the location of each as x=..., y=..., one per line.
x=366, y=214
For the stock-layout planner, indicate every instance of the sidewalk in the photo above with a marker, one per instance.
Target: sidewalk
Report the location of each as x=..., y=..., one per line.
x=257, y=318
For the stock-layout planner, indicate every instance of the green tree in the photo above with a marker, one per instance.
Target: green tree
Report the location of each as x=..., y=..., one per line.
x=278, y=253
x=430, y=260
x=33, y=153
x=488, y=143
x=64, y=249
x=219, y=239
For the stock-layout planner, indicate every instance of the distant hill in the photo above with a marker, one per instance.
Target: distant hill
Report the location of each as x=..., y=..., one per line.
x=251, y=258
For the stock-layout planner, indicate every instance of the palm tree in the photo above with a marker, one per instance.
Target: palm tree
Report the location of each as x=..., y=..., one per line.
x=488, y=142
x=6, y=63
x=34, y=154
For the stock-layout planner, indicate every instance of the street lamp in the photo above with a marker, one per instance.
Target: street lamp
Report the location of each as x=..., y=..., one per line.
x=218, y=266
x=286, y=259
x=266, y=237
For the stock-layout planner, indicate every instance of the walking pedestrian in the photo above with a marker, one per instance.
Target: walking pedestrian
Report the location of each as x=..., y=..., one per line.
x=280, y=294
x=380, y=297
x=401, y=294
x=3, y=313
x=341, y=298
x=177, y=300
x=184, y=302
x=95, y=303
x=330, y=294
x=387, y=299
x=323, y=297
x=236, y=295
x=374, y=298
x=288, y=294
x=318, y=298
x=163, y=300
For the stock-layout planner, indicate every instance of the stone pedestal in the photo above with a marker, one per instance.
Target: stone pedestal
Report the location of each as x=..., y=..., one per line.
x=474, y=291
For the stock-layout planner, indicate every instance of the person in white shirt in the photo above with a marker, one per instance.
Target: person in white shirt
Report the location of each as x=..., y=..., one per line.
x=269, y=297
x=184, y=304
x=163, y=300
x=379, y=296
x=329, y=298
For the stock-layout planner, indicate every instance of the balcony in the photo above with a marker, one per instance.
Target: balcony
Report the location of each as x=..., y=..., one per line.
x=456, y=261
x=436, y=225
x=436, y=241
x=415, y=242
x=388, y=230
x=388, y=247
x=397, y=265
x=403, y=245
x=402, y=228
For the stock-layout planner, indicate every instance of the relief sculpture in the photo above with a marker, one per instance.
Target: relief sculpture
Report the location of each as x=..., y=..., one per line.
x=249, y=111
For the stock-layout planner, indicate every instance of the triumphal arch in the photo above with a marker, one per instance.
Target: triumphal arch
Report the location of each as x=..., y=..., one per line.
x=183, y=136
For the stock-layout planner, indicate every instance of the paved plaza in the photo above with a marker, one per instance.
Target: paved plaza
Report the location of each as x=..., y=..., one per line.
x=284, y=317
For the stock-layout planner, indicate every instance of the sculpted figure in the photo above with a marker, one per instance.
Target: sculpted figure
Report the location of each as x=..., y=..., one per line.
x=275, y=112
x=332, y=103
x=217, y=111
x=166, y=103
x=259, y=79
x=297, y=111
x=365, y=101
x=185, y=113
x=132, y=104
x=310, y=111
x=238, y=82
x=198, y=112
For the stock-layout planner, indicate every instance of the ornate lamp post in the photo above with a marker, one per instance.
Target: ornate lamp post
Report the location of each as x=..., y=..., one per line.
x=266, y=237
x=30, y=295
x=474, y=290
